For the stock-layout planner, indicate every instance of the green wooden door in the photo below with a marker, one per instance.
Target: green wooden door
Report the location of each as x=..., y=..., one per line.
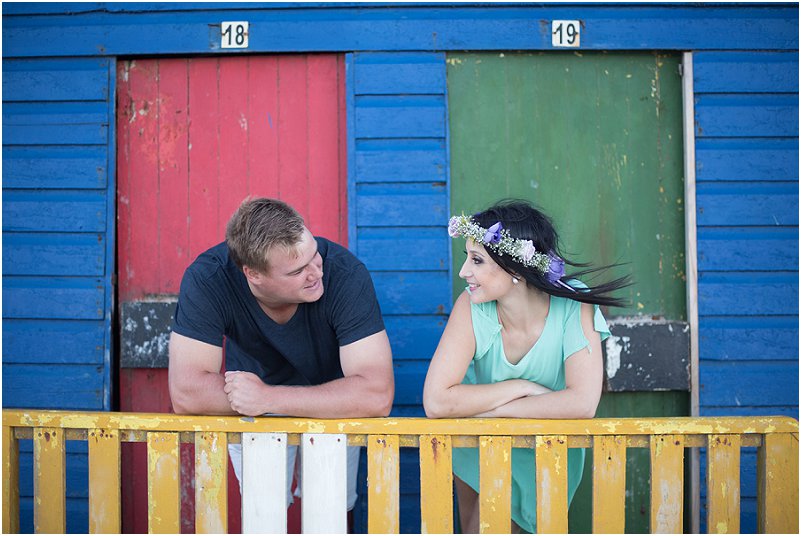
x=595, y=139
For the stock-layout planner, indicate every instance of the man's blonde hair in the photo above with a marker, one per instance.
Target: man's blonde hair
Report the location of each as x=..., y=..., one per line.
x=258, y=225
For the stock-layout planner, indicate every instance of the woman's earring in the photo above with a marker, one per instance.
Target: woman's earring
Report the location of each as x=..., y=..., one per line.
x=515, y=280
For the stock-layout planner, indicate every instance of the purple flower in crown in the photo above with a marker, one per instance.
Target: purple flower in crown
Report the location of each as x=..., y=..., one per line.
x=556, y=268
x=493, y=234
x=453, y=227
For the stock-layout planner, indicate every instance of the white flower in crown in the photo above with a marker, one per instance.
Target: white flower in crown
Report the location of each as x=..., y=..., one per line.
x=526, y=251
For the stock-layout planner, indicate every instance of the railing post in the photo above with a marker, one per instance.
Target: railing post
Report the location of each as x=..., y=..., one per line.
x=667, y=483
x=495, y=485
x=10, y=481
x=264, y=483
x=211, y=482
x=609, y=484
x=723, y=484
x=383, y=489
x=324, y=483
x=163, y=483
x=551, y=456
x=777, y=482
x=104, y=482
x=49, y=481
x=436, y=484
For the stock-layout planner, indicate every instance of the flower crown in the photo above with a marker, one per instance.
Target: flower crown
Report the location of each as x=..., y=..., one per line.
x=501, y=242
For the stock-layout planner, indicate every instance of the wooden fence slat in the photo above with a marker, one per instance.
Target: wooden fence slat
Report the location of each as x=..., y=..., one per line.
x=10, y=481
x=324, y=483
x=264, y=483
x=723, y=484
x=777, y=484
x=104, y=482
x=383, y=485
x=436, y=484
x=551, y=456
x=609, y=485
x=49, y=481
x=495, y=485
x=667, y=483
x=211, y=482
x=163, y=483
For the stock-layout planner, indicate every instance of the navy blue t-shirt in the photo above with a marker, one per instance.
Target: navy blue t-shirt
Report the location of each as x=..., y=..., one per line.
x=215, y=302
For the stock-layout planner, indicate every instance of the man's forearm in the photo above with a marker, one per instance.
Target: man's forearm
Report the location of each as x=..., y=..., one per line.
x=348, y=397
x=204, y=395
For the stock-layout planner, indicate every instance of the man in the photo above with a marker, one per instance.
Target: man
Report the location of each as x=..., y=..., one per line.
x=299, y=321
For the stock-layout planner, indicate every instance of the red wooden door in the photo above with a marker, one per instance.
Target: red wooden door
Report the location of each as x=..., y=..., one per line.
x=194, y=138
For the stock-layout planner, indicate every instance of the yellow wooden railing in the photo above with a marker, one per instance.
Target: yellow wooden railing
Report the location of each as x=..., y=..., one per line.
x=666, y=438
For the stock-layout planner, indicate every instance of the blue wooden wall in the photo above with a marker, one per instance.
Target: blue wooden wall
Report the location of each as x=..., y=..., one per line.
x=58, y=179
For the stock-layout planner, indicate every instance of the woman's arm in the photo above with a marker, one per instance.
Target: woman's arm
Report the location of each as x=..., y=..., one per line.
x=444, y=395
x=583, y=384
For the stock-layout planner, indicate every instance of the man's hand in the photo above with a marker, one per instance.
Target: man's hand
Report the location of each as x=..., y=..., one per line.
x=246, y=393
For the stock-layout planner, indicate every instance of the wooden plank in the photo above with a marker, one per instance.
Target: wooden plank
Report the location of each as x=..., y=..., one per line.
x=52, y=166
x=411, y=73
x=73, y=79
x=495, y=485
x=73, y=113
x=720, y=248
x=49, y=489
x=80, y=298
x=75, y=386
x=609, y=484
x=777, y=474
x=667, y=483
x=378, y=160
x=771, y=293
x=56, y=211
x=324, y=483
x=747, y=337
x=55, y=134
x=145, y=333
x=318, y=28
x=264, y=501
x=723, y=484
x=404, y=205
x=746, y=115
x=735, y=383
x=400, y=117
x=163, y=483
x=54, y=254
x=413, y=337
x=551, y=456
x=263, y=125
x=292, y=120
x=404, y=248
x=10, y=481
x=383, y=490
x=412, y=292
x=105, y=500
x=747, y=159
x=53, y=341
x=745, y=72
x=741, y=204
x=436, y=484
x=211, y=483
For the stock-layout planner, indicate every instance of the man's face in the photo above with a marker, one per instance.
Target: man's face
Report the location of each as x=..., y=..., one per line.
x=293, y=276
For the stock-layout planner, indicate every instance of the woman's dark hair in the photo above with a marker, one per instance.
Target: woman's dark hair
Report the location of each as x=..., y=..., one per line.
x=526, y=222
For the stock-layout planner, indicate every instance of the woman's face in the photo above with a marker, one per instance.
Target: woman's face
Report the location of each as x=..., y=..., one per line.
x=486, y=280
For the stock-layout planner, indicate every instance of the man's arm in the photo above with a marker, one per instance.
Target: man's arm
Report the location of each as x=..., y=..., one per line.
x=196, y=385
x=366, y=390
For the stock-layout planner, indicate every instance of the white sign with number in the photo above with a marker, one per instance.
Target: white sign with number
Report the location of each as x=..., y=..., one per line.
x=566, y=33
x=234, y=34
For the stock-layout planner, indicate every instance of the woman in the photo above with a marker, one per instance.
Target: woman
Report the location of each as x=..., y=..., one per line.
x=523, y=340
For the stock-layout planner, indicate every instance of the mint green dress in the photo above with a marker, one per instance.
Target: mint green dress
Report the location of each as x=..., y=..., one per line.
x=561, y=337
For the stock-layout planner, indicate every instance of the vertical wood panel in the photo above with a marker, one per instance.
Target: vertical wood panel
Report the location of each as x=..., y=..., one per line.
x=233, y=125
x=383, y=490
x=263, y=125
x=495, y=484
x=104, y=482
x=551, y=456
x=163, y=483
x=436, y=484
x=609, y=484
x=211, y=482
x=264, y=483
x=173, y=195
x=49, y=482
x=10, y=481
x=324, y=483
x=777, y=482
x=723, y=484
x=293, y=165
x=667, y=483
